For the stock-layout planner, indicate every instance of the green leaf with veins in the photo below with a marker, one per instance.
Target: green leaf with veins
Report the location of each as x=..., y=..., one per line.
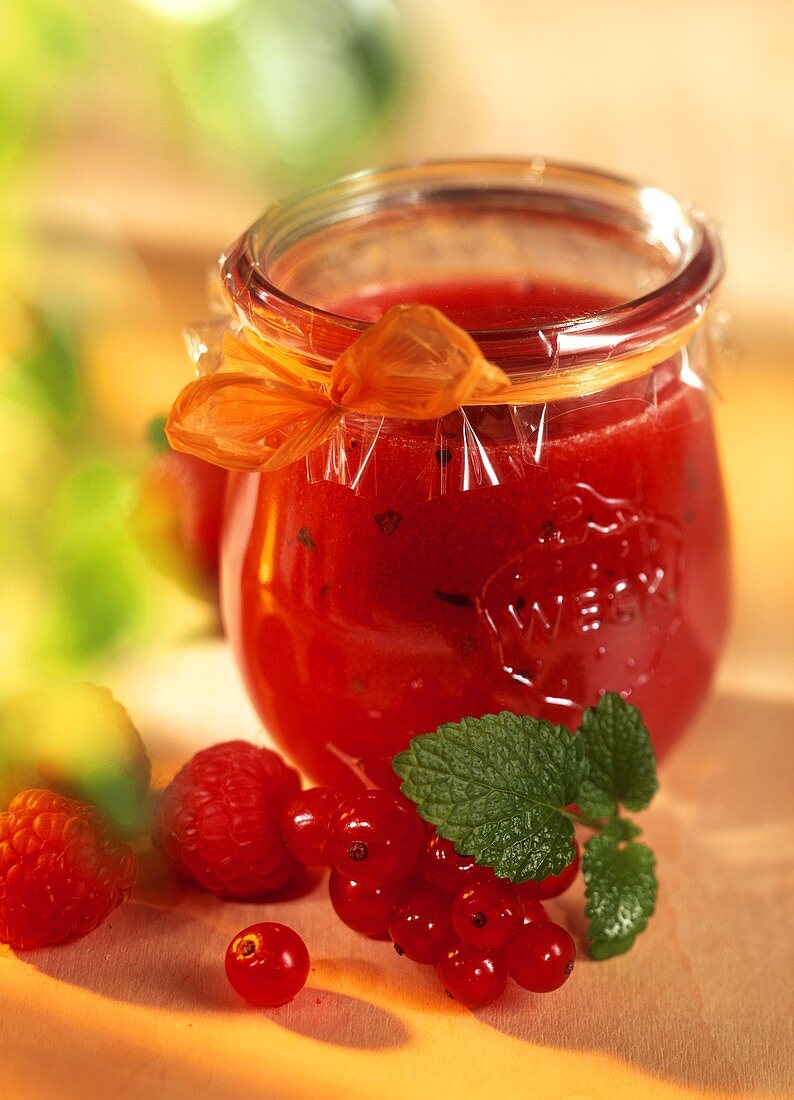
x=498, y=788
x=620, y=887
x=622, y=765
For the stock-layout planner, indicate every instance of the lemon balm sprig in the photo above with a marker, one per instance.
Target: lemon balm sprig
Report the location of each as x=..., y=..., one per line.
x=500, y=787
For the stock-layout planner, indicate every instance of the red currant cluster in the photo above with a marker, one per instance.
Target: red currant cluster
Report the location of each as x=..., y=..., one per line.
x=392, y=875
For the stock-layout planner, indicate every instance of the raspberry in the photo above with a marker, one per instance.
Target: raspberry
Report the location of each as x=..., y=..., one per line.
x=218, y=823
x=63, y=869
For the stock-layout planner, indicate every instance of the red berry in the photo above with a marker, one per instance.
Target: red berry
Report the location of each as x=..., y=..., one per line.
x=63, y=869
x=540, y=956
x=374, y=839
x=306, y=825
x=363, y=908
x=178, y=515
x=267, y=964
x=473, y=976
x=443, y=867
x=219, y=821
x=487, y=914
x=533, y=910
x=552, y=885
x=420, y=923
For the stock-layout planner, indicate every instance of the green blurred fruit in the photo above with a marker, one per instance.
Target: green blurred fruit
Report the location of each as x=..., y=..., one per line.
x=76, y=740
x=177, y=519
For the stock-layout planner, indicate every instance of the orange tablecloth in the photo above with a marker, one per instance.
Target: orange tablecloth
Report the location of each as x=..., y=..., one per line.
x=701, y=1006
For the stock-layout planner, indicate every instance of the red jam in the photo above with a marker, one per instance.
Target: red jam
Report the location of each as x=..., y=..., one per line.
x=361, y=620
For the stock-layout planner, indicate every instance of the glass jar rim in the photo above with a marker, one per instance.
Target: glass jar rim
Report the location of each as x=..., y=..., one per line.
x=626, y=328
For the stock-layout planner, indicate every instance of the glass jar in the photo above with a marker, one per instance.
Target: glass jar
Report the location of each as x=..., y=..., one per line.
x=523, y=557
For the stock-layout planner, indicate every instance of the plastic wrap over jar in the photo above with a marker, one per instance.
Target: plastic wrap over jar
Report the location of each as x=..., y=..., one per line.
x=369, y=594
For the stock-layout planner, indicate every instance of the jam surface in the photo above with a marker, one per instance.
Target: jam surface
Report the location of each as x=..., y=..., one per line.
x=361, y=620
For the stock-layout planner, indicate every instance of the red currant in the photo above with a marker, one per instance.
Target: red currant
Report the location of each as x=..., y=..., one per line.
x=306, y=825
x=363, y=908
x=487, y=913
x=471, y=975
x=420, y=924
x=267, y=964
x=533, y=910
x=551, y=885
x=443, y=867
x=540, y=956
x=375, y=840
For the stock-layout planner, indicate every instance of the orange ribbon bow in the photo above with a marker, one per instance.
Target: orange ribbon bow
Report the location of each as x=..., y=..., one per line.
x=265, y=408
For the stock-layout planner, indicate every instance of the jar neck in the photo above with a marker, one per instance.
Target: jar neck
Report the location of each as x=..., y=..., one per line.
x=657, y=259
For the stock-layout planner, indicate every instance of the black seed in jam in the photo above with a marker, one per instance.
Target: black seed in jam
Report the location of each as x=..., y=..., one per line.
x=443, y=456
x=520, y=604
x=689, y=516
x=548, y=530
x=358, y=686
x=456, y=599
x=326, y=588
x=398, y=949
x=467, y=645
x=305, y=539
x=354, y=444
x=388, y=521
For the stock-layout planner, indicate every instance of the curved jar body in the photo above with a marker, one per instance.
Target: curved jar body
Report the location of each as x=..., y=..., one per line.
x=522, y=558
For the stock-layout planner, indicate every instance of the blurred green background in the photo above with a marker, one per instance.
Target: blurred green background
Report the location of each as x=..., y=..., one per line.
x=139, y=137
x=265, y=95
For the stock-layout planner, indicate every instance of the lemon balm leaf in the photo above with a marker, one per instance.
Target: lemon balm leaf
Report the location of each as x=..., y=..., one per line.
x=498, y=788
x=620, y=757
x=621, y=889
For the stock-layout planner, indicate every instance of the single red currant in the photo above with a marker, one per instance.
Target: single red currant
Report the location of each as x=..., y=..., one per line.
x=487, y=914
x=471, y=975
x=363, y=908
x=443, y=867
x=267, y=964
x=540, y=956
x=306, y=825
x=552, y=885
x=533, y=910
x=375, y=840
x=420, y=924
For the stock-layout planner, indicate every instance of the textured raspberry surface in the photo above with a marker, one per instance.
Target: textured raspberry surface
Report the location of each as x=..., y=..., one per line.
x=63, y=869
x=218, y=821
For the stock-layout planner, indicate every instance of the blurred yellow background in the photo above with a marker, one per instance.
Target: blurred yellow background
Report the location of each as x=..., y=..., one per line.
x=138, y=137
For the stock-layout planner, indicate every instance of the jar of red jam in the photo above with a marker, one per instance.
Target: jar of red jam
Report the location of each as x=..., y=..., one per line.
x=526, y=555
